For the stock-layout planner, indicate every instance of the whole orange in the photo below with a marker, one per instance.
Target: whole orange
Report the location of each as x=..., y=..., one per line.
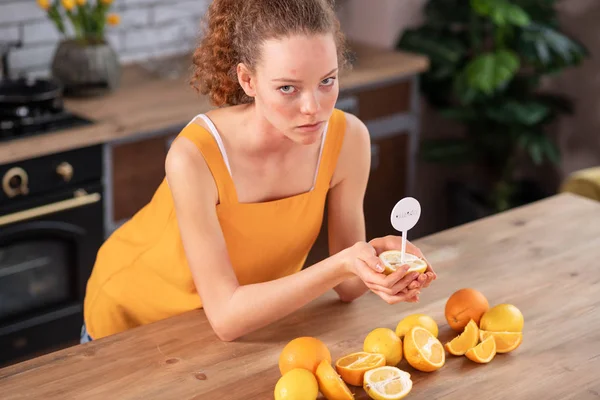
x=464, y=305
x=303, y=352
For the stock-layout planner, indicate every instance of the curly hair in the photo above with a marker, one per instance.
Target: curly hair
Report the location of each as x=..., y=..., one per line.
x=234, y=31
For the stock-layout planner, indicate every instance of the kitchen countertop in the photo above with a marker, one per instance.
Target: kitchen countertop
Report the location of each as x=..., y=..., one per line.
x=519, y=257
x=146, y=102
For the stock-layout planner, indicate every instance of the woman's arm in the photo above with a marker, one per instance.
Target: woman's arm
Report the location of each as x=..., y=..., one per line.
x=234, y=310
x=346, y=220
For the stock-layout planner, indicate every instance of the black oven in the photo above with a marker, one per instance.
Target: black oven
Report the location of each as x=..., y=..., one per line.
x=51, y=226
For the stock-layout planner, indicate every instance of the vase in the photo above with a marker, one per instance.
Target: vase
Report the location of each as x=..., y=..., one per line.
x=86, y=69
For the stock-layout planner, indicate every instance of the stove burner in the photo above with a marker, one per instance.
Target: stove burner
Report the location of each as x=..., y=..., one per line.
x=11, y=128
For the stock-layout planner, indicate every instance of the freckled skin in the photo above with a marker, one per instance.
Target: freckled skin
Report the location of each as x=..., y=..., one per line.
x=311, y=101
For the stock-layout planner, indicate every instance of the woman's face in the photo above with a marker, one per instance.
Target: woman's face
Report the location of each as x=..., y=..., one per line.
x=296, y=85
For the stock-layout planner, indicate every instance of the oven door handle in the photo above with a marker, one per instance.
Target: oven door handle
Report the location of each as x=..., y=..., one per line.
x=81, y=199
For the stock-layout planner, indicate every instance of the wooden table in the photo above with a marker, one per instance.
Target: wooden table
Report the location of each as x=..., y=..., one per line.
x=544, y=258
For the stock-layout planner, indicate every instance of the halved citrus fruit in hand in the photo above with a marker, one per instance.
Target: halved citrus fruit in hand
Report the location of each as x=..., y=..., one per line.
x=392, y=260
x=484, y=352
x=387, y=383
x=331, y=384
x=352, y=367
x=466, y=340
x=423, y=351
x=505, y=341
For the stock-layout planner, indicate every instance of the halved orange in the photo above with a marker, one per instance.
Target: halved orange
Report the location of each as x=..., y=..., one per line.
x=505, y=341
x=392, y=260
x=423, y=351
x=352, y=367
x=331, y=384
x=466, y=340
x=484, y=352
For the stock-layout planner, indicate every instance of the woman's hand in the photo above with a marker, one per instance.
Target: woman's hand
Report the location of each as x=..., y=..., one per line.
x=361, y=260
x=392, y=242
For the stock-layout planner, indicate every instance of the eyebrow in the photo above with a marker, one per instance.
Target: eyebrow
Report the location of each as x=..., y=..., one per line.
x=297, y=81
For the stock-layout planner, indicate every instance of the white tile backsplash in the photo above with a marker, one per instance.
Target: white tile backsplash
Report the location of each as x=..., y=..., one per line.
x=42, y=31
x=19, y=11
x=148, y=29
x=9, y=32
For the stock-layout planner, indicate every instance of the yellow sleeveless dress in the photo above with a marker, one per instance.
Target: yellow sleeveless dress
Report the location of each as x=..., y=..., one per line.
x=141, y=274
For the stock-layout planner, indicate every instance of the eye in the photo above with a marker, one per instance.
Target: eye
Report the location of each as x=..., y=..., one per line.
x=328, y=81
x=287, y=89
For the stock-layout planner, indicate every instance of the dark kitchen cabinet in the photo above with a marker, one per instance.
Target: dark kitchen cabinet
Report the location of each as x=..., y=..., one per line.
x=138, y=170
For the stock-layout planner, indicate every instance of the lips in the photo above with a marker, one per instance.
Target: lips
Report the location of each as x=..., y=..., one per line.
x=311, y=127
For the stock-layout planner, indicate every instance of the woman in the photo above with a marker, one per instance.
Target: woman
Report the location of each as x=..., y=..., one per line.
x=242, y=202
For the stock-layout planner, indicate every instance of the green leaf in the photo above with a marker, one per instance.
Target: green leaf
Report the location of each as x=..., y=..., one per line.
x=517, y=16
x=541, y=10
x=527, y=113
x=501, y=12
x=490, y=71
x=539, y=146
x=535, y=151
x=552, y=152
x=465, y=93
x=523, y=141
x=448, y=151
x=441, y=51
x=546, y=47
x=463, y=114
x=482, y=7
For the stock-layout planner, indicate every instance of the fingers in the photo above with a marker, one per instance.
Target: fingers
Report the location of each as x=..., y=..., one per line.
x=371, y=277
x=401, y=285
x=402, y=297
x=412, y=299
x=429, y=277
x=368, y=255
x=405, y=282
x=396, y=276
x=415, y=284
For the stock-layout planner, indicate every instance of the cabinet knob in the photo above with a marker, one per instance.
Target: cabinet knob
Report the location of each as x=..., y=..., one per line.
x=65, y=171
x=15, y=181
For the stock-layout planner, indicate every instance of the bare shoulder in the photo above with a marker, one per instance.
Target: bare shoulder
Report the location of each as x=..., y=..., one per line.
x=357, y=133
x=355, y=154
x=186, y=167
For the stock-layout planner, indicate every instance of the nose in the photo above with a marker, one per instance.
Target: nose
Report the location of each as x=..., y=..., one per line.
x=310, y=103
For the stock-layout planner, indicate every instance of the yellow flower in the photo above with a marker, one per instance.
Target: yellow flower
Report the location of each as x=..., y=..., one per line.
x=68, y=4
x=113, y=19
x=80, y=2
x=44, y=4
x=107, y=2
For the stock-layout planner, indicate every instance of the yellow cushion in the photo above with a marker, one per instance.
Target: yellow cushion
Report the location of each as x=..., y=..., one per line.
x=585, y=182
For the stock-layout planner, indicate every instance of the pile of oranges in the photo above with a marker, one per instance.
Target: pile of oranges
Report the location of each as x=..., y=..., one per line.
x=306, y=365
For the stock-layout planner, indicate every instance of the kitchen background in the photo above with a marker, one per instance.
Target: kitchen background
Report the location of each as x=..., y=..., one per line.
x=150, y=36
x=152, y=29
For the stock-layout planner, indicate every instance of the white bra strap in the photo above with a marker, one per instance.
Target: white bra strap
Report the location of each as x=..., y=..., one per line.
x=213, y=131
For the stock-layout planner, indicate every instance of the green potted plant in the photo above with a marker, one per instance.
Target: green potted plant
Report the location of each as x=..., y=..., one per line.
x=488, y=58
x=84, y=61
